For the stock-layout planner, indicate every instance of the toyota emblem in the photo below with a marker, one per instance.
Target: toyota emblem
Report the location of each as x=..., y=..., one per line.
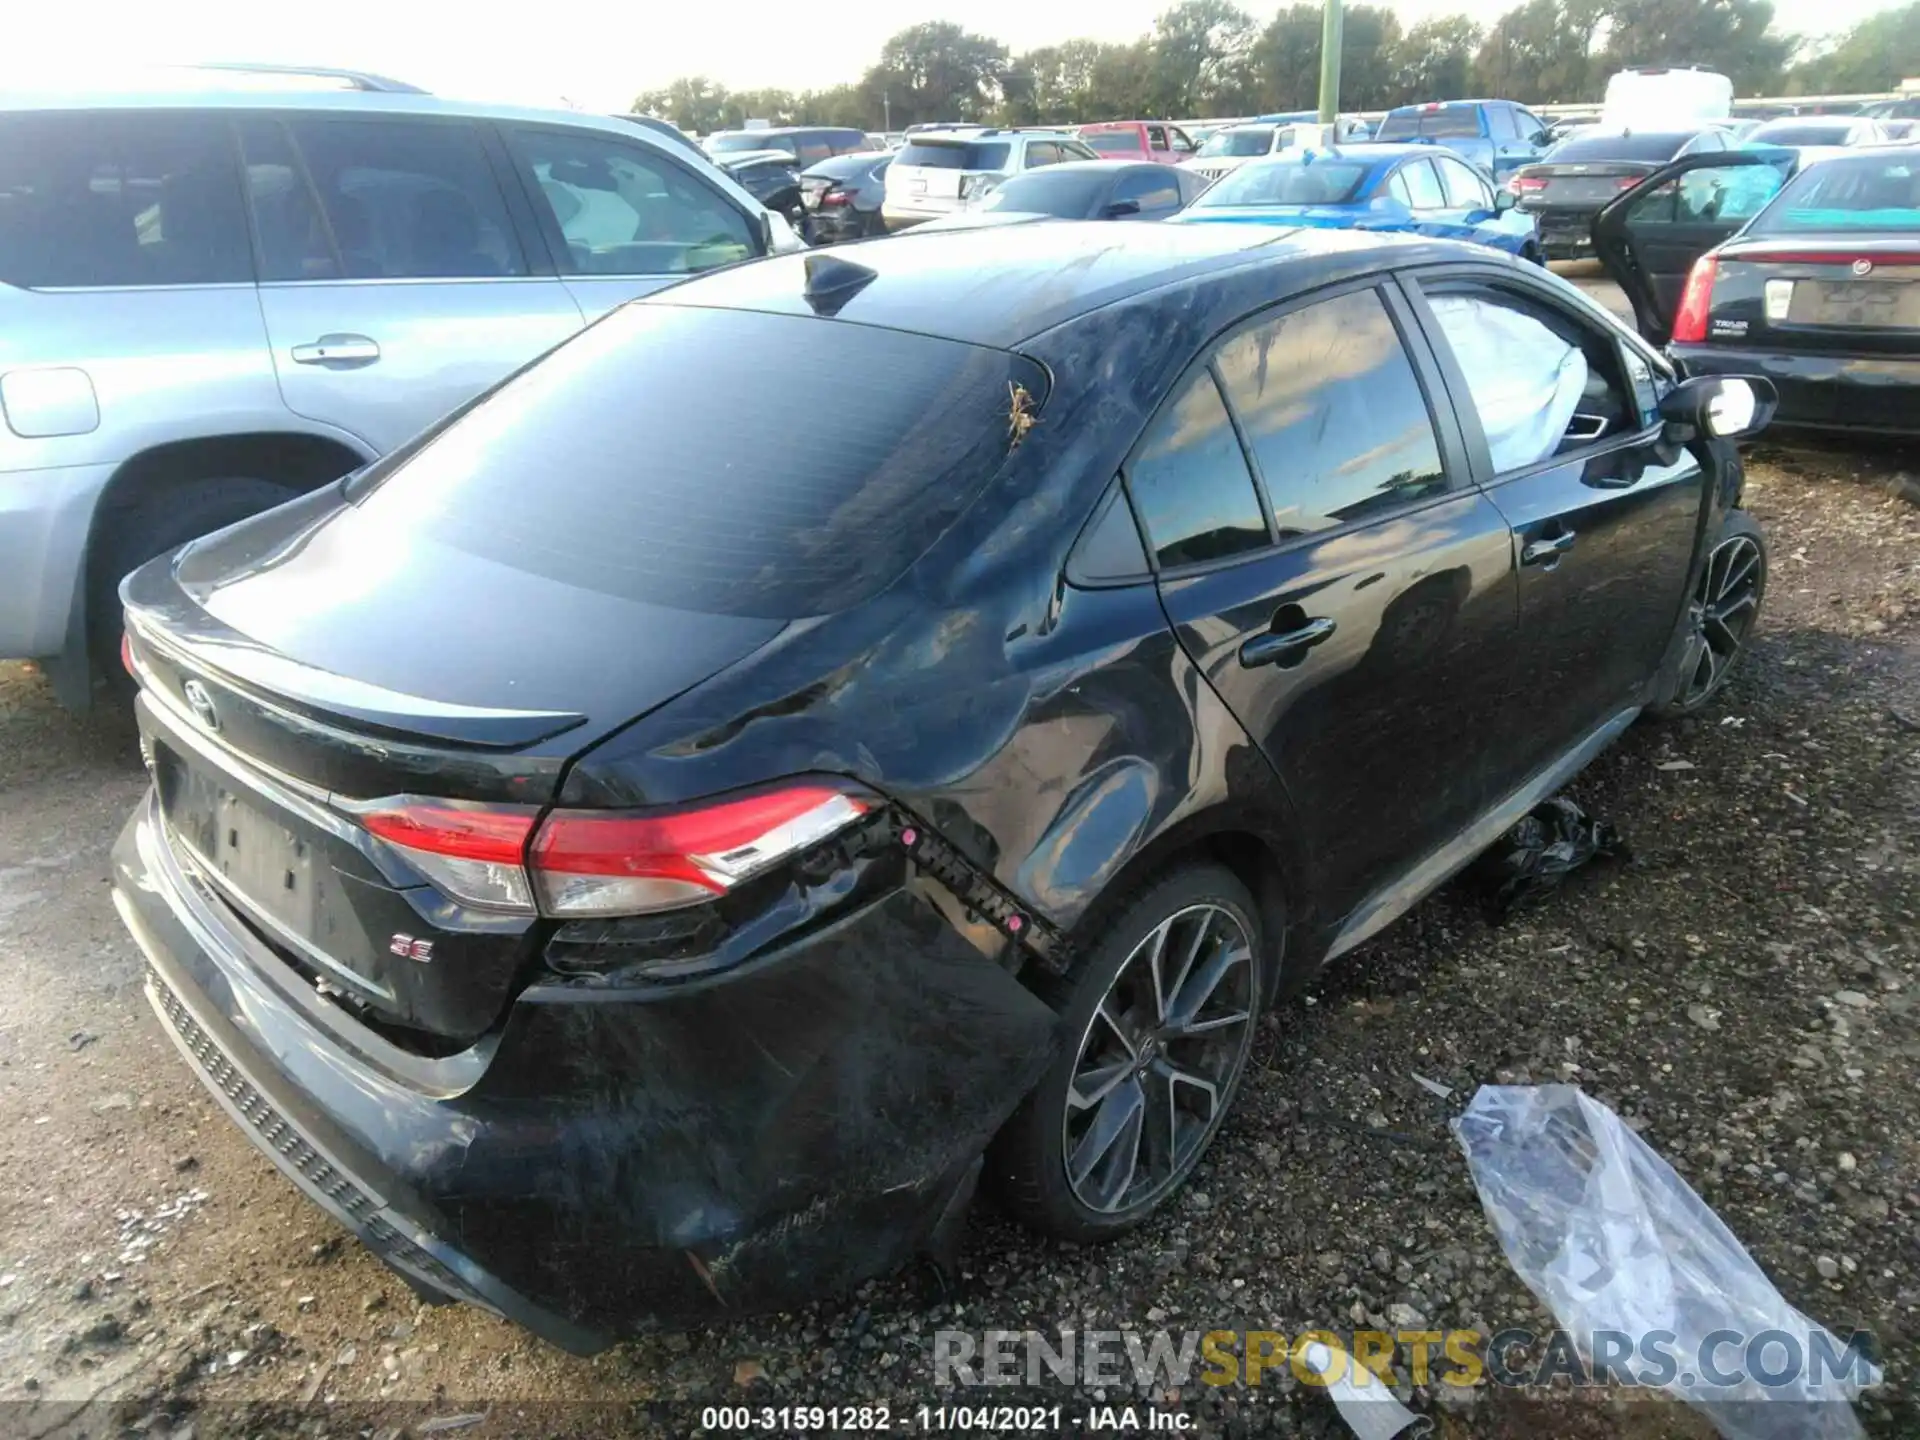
x=1863, y=267
x=202, y=704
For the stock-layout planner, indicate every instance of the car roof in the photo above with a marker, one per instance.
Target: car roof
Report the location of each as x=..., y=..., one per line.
x=791, y=130
x=751, y=157
x=1444, y=105
x=1003, y=285
x=854, y=162
x=343, y=102
x=1365, y=153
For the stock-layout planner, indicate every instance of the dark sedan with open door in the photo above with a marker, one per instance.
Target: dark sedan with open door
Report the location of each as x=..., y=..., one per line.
x=1802, y=268
x=622, y=863
x=1569, y=184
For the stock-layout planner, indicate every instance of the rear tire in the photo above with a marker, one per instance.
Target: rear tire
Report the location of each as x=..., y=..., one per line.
x=1158, y=1025
x=151, y=525
x=1719, y=618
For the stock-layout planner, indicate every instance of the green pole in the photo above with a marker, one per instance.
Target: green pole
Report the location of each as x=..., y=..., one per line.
x=1330, y=64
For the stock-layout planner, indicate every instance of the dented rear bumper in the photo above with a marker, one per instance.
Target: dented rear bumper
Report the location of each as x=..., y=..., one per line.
x=613, y=1157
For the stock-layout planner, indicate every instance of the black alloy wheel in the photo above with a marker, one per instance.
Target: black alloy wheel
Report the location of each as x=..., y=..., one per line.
x=1156, y=1033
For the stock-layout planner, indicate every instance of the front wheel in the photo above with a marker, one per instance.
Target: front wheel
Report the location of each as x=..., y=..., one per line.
x=1158, y=1026
x=1720, y=616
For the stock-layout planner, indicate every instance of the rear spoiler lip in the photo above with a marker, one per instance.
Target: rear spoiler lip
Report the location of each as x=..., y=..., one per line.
x=197, y=641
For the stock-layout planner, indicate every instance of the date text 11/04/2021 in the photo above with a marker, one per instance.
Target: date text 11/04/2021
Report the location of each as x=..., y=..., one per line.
x=941, y=1419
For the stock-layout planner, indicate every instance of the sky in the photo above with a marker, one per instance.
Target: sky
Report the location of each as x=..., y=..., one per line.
x=598, y=54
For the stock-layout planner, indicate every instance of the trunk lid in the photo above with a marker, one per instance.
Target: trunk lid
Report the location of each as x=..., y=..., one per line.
x=1586, y=186
x=297, y=668
x=1841, y=294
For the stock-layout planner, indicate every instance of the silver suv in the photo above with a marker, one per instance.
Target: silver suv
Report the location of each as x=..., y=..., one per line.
x=215, y=298
x=937, y=172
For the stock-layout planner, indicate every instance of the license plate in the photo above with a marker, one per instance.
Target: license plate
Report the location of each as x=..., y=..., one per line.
x=257, y=856
x=1580, y=192
x=1890, y=304
x=918, y=187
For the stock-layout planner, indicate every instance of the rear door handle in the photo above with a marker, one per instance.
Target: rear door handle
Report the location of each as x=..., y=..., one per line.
x=1288, y=647
x=337, y=350
x=1547, y=551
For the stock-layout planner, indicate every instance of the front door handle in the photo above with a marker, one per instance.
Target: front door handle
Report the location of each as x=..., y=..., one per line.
x=1548, y=550
x=1289, y=647
x=337, y=350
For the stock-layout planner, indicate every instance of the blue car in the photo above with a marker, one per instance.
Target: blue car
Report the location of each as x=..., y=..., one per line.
x=1410, y=188
x=1497, y=135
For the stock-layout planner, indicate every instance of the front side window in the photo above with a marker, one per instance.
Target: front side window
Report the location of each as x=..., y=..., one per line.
x=1190, y=482
x=1541, y=384
x=1334, y=413
x=1178, y=139
x=377, y=200
x=623, y=211
x=120, y=199
x=1500, y=123
x=1042, y=152
x=1465, y=190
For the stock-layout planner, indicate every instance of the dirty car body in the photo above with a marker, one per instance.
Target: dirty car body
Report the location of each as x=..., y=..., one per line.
x=664, y=920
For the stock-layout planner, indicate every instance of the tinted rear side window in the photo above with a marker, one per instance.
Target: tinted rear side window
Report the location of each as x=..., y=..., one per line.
x=692, y=458
x=932, y=156
x=404, y=199
x=1190, y=482
x=120, y=199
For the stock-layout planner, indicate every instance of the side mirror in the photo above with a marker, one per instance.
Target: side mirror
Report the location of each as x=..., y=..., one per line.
x=1503, y=201
x=1543, y=137
x=1119, y=208
x=1726, y=407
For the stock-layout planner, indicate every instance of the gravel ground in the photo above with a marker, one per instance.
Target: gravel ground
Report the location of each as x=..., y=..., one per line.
x=1743, y=990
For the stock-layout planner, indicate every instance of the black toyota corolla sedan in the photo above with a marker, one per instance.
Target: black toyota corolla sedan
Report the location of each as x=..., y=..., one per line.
x=633, y=855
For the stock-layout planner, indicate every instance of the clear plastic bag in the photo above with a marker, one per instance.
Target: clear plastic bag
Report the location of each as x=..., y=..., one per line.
x=1611, y=1239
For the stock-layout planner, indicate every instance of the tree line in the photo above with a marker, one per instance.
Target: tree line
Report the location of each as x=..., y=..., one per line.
x=1209, y=57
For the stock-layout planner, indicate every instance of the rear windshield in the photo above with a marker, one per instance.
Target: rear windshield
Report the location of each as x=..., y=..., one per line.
x=1239, y=142
x=953, y=155
x=1658, y=146
x=1778, y=134
x=1111, y=142
x=712, y=460
x=1878, y=193
x=1435, y=124
x=737, y=141
x=1286, y=182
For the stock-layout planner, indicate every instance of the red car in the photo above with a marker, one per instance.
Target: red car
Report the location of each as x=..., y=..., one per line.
x=1138, y=140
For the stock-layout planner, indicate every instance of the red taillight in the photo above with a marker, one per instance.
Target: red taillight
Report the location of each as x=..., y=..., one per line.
x=606, y=862
x=1690, y=320
x=588, y=862
x=1526, y=184
x=126, y=654
x=1627, y=182
x=473, y=852
x=835, y=197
